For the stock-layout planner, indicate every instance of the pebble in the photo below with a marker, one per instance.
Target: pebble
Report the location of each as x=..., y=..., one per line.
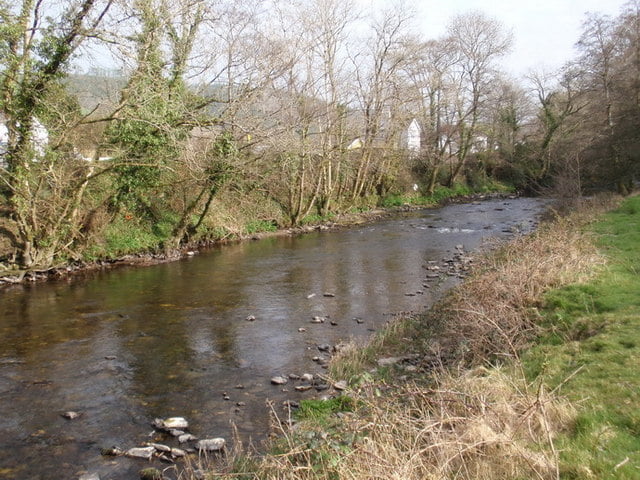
x=141, y=452
x=111, y=452
x=160, y=447
x=211, y=444
x=186, y=437
x=250, y=318
x=341, y=385
x=279, y=380
x=178, y=423
x=89, y=476
x=178, y=452
x=70, y=415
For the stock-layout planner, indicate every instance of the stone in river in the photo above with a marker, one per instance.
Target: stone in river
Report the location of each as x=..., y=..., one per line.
x=324, y=347
x=159, y=447
x=307, y=377
x=329, y=294
x=70, y=415
x=250, y=318
x=303, y=388
x=89, y=476
x=186, y=437
x=279, y=380
x=111, y=451
x=178, y=453
x=317, y=319
x=172, y=423
x=211, y=444
x=141, y=452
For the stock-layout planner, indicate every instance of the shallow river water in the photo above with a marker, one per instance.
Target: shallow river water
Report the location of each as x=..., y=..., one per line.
x=125, y=346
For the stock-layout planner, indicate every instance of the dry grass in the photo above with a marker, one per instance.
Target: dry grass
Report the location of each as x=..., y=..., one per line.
x=493, y=313
x=481, y=425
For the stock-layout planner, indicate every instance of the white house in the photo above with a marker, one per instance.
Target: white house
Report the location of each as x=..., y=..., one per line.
x=39, y=140
x=414, y=136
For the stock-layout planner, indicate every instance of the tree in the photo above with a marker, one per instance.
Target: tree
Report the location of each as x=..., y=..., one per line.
x=478, y=41
x=43, y=192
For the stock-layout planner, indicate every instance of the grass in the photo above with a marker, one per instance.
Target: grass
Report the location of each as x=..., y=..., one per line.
x=594, y=327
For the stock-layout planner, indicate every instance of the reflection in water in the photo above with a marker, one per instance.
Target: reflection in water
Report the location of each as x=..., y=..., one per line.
x=125, y=346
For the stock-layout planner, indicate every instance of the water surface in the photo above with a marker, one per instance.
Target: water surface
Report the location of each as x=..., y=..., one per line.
x=128, y=345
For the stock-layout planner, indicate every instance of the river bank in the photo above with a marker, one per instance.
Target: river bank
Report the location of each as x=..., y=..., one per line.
x=491, y=382
x=10, y=277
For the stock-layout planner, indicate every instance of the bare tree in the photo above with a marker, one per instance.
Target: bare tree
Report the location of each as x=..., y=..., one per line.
x=478, y=41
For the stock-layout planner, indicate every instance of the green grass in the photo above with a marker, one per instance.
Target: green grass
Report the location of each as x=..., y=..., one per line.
x=256, y=226
x=594, y=330
x=319, y=410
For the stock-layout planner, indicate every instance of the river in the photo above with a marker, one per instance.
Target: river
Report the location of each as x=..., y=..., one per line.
x=125, y=346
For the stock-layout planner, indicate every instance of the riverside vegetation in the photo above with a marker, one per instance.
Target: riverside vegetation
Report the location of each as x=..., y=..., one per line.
x=221, y=119
x=527, y=370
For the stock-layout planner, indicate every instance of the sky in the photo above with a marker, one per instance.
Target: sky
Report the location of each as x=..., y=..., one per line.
x=544, y=31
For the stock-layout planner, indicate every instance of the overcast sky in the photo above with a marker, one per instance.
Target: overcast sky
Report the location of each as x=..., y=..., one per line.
x=544, y=30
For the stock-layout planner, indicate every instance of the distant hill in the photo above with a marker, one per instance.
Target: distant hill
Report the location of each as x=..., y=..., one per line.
x=95, y=90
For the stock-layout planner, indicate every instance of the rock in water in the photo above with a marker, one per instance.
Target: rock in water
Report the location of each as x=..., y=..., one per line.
x=141, y=452
x=111, y=451
x=211, y=444
x=173, y=423
x=187, y=437
x=279, y=380
x=89, y=476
